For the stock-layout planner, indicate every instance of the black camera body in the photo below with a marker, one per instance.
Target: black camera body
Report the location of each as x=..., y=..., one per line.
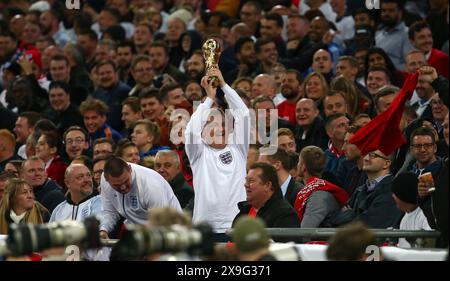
x=140, y=241
x=24, y=239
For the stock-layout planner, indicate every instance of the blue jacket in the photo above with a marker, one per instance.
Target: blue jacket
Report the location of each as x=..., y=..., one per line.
x=105, y=131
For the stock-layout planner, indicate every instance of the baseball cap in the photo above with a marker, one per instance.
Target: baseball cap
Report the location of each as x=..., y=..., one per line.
x=250, y=235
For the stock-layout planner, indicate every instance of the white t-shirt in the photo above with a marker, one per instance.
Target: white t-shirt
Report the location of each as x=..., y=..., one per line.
x=218, y=174
x=415, y=220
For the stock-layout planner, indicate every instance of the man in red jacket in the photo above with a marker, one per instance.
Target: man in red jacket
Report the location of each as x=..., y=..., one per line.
x=422, y=39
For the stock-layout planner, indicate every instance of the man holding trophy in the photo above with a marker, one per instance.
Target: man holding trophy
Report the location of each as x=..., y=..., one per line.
x=217, y=143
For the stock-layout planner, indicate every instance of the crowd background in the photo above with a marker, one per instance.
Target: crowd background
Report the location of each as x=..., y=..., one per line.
x=80, y=85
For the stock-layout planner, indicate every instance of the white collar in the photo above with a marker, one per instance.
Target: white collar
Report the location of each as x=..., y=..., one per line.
x=16, y=218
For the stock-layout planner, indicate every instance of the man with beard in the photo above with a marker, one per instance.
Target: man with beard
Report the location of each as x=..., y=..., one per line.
x=142, y=71
x=421, y=38
x=244, y=50
x=50, y=25
x=193, y=91
x=111, y=91
x=392, y=36
x=195, y=68
x=291, y=89
x=125, y=55
x=62, y=112
x=159, y=55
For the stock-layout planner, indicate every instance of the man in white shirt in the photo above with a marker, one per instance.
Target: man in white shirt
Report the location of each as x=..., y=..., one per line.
x=404, y=192
x=218, y=157
x=80, y=201
x=131, y=191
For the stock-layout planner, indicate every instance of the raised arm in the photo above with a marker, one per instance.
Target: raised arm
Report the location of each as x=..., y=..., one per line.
x=238, y=109
x=195, y=125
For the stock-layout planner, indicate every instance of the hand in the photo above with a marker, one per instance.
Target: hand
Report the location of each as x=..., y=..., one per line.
x=422, y=189
x=328, y=36
x=209, y=89
x=428, y=73
x=292, y=45
x=103, y=234
x=26, y=65
x=215, y=71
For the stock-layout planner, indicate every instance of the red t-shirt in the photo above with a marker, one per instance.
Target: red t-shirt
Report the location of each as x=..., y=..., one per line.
x=286, y=110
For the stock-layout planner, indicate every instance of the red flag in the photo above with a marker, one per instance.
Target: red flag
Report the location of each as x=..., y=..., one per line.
x=383, y=132
x=296, y=2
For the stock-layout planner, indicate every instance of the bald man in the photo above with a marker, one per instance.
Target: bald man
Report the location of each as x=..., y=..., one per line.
x=264, y=84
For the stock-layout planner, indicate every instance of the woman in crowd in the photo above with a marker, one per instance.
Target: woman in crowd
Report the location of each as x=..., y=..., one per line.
x=18, y=206
x=47, y=148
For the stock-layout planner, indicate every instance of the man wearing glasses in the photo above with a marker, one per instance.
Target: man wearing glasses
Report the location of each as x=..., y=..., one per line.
x=372, y=203
x=423, y=149
x=76, y=142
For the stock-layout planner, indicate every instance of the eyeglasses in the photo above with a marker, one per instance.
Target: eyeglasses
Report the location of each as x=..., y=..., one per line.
x=376, y=155
x=422, y=145
x=76, y=141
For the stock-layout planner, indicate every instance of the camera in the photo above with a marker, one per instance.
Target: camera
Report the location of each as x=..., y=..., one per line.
x=139, y=241
x=24, y=239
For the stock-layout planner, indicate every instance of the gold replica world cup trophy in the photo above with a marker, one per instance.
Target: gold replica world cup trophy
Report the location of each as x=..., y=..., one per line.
x=211, y=54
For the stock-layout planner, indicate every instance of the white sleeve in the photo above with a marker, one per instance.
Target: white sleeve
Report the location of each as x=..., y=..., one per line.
x=55, y=213
x=96, y=206
x=241, y=114
x=108, y=216
x=193, y=133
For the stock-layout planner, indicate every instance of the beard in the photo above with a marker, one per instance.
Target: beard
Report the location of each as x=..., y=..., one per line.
x=288, y=93
x=389, y=22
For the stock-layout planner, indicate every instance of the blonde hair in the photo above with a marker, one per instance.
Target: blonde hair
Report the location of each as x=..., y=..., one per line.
x=35, y=215
x=323, y=82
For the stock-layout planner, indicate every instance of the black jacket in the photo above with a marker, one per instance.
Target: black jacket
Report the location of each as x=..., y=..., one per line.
x=276, y=212
x=292, y=191
x=182, y=190
x=63, y=120
x=376, y=208
x=316, y=135
x=435, y=207
x=49, y=194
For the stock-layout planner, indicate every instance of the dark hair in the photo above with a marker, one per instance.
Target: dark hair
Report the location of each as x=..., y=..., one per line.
x=355, y=128
x=89, y=33
x=160, y=44
x=297, y=73
x=114, y=12
x=164, y=90
x=149, y=93
x=53, y=139
x=379, y=68
x=60, y=57
x=282, y=156
x=122, y=145
x=115, y=166
x=240, y=43
x=31, y=116
x=105, y=140
x=275, y=17
x=138, y=59
x=389, y=64
x=422, y=131
x=76, y=128
x=116, y=32
x=133, y=103
x=261, y=42
x=385, y=91
x=59, y=85
x=262, y=98
x=268, y=174
x=127, y=44
x=106, y=62
x=417, y=27
x=351, y=60
x=333, y=117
